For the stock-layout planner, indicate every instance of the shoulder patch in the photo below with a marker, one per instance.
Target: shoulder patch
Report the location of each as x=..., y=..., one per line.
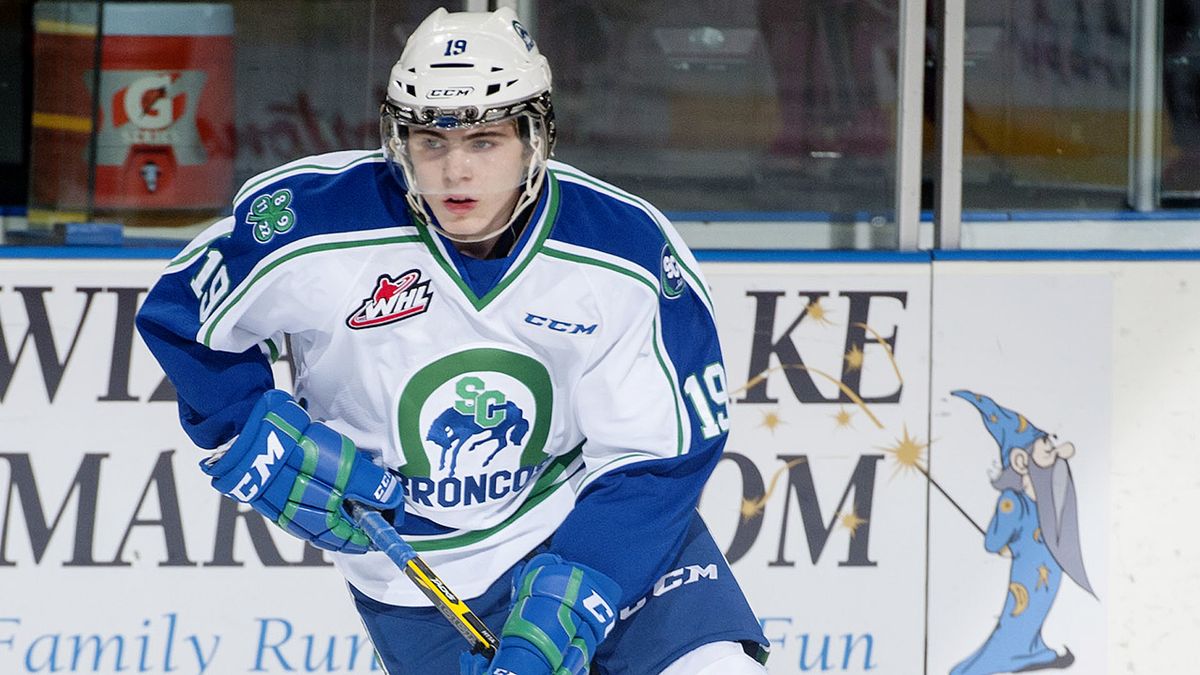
x=670, y=275
x=270, y=214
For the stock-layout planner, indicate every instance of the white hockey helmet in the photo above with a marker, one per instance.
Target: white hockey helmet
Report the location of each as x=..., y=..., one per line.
x=463, y=70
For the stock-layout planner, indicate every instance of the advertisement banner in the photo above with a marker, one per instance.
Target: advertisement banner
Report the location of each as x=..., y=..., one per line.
x=1019, y=539
x=115, y=554
x=820, y=498
x=916, y=479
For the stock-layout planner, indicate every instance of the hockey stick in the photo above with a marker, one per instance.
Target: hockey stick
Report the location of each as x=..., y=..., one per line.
x=385, y=537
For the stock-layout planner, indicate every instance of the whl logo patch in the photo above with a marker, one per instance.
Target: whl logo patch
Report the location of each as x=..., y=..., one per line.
x=394, y=299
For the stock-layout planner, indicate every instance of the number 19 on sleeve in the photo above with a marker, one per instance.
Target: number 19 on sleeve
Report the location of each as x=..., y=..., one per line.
x=709, y=400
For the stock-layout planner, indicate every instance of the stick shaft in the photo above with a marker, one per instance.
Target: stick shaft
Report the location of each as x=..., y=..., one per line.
x=388, y=540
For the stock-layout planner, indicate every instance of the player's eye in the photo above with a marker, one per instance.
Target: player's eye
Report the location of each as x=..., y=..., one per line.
x=482, y=144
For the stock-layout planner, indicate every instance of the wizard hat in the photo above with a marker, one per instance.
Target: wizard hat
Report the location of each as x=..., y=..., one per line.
x=1010, y=429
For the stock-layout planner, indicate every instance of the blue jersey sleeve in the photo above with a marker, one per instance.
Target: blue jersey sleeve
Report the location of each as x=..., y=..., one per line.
x=215, y=389
x=630, y=520
x=222, y=308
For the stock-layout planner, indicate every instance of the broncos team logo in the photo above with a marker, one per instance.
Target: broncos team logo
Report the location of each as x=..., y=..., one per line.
x=670, y=275
x=473, y=427
x=479, y=417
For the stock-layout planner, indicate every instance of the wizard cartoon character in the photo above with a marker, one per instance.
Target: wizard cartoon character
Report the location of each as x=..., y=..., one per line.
x=1037, y=521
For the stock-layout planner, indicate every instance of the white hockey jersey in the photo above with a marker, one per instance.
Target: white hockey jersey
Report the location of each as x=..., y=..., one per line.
x=572, y=391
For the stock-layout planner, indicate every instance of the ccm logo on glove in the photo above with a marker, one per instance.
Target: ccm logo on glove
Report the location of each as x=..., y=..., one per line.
x=594, y=603
x=561, y=612
x=299, y=473
x=262, y=466
x=385, y=488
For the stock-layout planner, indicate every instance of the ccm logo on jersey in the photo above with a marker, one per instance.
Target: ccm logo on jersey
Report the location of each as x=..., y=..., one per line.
x=559, y=326
x=247, y=487
x=393, y=299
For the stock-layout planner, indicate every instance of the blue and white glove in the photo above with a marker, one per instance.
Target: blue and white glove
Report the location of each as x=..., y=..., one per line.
x=561, y=613
x=299, y=474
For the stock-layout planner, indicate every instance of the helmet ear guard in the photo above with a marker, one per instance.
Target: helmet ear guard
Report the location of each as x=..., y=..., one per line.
x=461, y=71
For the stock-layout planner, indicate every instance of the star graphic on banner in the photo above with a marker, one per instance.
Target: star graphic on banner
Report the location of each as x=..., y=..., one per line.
x=852, y=522
x=842, y=418
x=818, y=312
x=771, y=420
x=752, y=508
x=908, y=452
x=854, y=358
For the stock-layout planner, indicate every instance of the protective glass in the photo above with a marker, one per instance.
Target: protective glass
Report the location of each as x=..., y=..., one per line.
x=473, y=160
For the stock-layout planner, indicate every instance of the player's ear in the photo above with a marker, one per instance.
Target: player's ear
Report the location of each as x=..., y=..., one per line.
x=1019, y=458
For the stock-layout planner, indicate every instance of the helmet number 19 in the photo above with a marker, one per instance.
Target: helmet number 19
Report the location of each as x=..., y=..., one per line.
x=455, y=47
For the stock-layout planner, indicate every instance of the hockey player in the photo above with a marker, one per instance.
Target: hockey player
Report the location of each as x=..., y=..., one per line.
x=513, y=360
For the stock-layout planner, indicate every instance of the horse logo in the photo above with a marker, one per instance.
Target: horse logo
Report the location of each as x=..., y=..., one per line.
x=473, y=427
x=478, y=416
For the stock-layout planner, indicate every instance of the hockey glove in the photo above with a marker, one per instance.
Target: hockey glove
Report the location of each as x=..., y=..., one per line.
x=561, y=612
x=299, y=474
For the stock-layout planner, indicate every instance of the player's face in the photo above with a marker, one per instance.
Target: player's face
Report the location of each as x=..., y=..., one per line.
x=470, y=178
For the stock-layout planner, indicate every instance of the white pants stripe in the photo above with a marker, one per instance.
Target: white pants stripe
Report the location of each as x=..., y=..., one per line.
x=715, y=658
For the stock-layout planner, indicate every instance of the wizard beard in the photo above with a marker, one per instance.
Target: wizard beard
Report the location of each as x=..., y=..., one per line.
x=1058, y=517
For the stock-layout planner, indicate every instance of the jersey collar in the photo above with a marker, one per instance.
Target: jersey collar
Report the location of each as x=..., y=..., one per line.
x=454, y=264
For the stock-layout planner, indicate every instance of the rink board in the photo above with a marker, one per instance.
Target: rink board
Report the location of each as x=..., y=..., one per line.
x=115, y=555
